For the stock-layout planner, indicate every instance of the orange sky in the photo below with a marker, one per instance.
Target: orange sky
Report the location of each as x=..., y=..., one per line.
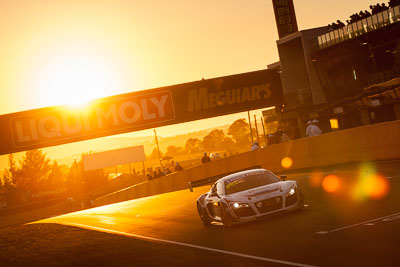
x=60, y=51
x=55, y=51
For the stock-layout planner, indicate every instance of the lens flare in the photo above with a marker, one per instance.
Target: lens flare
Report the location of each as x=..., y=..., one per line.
x=331, y=183
x=380, y=187
x=374, y=186
x=287, y=162
x=316, y=179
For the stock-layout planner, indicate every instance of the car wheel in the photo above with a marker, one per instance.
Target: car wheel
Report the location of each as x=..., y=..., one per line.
x=203, y=216
x=225, y=216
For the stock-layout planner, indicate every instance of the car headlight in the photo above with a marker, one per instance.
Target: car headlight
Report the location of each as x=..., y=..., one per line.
x=237, y=205
x=291, y=191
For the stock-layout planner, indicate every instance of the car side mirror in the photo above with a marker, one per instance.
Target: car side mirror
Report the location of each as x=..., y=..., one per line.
x=283, y=177
x=214, y=194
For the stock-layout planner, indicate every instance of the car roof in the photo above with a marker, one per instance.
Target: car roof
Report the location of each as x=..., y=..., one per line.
x=242, y=173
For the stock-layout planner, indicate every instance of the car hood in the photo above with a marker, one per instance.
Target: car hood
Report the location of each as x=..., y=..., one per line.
x=274, y=189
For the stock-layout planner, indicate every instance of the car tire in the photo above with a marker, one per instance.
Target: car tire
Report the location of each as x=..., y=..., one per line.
x=226, y=218
x=203, y=216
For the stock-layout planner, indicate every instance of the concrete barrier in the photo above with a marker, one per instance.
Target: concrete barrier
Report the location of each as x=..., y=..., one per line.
x=368, y=143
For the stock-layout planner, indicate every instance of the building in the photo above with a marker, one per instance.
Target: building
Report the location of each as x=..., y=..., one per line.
x=344, y=77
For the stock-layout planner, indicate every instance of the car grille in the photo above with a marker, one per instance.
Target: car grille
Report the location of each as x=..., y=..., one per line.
x=270, y=204
x=291, y=200
x=244, y=212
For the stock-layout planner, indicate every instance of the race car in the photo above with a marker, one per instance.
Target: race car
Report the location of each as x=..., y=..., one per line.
x=248, y=195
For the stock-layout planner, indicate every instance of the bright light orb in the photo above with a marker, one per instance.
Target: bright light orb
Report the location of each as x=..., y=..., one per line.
x=76, y=83
x=75, y=77
x=380, y=187
x=286, y=162
x=373, y=186
x=331, y=183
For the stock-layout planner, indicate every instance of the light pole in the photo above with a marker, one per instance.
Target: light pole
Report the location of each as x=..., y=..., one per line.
x=158, y=148
x=251, y=131
x=76, y=175
x=265, y=136
x=255, y=123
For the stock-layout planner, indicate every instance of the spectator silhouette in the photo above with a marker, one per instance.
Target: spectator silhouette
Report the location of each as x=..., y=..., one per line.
x=178, y=167
x=255, y=146
x=270, y=139
x=309, y=125
x=284, y=137
x=315, y=130
x=340, y=24
x=205, y=158
x=367, y=13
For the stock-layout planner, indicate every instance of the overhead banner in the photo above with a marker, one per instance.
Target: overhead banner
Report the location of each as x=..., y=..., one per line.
x=285, y=17
x=139, y=110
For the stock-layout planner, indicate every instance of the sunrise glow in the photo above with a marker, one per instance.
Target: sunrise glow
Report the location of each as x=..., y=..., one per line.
x=75, y=78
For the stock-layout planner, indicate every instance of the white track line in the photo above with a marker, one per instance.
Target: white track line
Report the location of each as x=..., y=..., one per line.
x=187, y=245
x=357, y=224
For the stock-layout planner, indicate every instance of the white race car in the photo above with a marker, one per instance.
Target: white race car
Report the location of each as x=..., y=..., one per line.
x=248, y=195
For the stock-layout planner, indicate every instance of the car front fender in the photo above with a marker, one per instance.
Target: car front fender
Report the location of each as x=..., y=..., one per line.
x=202, y=199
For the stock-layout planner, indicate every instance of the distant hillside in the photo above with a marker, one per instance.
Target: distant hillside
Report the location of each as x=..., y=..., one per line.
x=64, y=154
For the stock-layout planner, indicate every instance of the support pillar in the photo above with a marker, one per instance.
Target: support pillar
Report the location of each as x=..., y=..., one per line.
x=396, y=108
x=364, y=114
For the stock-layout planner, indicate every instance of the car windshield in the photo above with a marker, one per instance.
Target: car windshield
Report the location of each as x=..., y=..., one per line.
x=248, y=181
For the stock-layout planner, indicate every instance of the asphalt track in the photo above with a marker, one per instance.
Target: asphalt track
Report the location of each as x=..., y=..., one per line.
x=352, y=226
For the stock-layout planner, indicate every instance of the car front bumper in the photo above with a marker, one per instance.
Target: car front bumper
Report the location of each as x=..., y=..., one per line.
x=286, y=204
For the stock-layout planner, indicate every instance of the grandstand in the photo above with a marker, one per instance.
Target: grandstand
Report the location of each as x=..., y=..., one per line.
x=348, y=74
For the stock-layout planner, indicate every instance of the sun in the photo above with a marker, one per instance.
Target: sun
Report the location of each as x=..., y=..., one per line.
x=76, y=78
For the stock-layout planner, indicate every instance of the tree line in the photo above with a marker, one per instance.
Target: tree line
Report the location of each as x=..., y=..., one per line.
x=238, y=135
x=35, y=172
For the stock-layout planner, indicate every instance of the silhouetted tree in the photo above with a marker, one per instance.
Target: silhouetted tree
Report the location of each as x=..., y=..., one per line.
x=154, y=154
x=227, y=143
x=56, y=176
x=35, y=167
x=80, y=181
x=193, y=145
x=239, y=130
x=173, y=151
x=218, y=136
x=9, y=176
x=209, y=143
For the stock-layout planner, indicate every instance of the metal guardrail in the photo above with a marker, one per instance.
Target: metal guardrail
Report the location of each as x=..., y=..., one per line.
x=371, y=23
x=213, y=179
